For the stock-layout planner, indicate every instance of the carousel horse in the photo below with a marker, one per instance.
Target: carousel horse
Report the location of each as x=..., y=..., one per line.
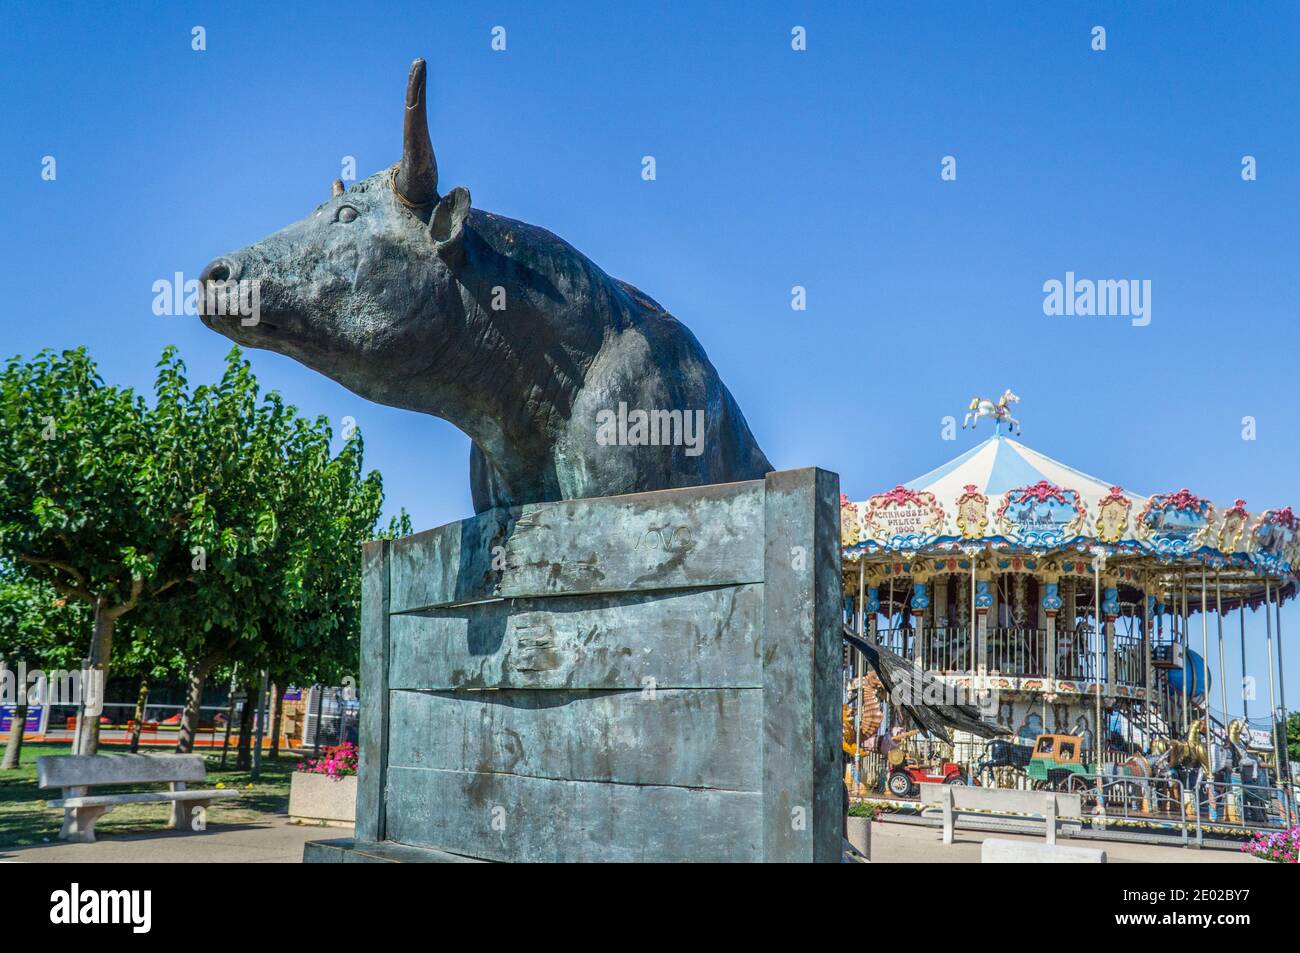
x=873, y=716
x=1240, y=776
x=1238, y=757
x=1236, y=742
x=1189, y=759
x=1000, y=412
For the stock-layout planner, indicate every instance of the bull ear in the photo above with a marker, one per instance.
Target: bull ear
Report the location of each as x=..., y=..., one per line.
x=447, y=225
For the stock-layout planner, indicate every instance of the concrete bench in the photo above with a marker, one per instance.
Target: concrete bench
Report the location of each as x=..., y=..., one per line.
x=997, y=851
x=77, y=774
x=1030, y=806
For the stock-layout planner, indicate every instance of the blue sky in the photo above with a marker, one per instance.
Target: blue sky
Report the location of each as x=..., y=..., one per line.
x=775, y=168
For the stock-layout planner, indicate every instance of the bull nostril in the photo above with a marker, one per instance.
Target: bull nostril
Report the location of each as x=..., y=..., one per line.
x=219, y=269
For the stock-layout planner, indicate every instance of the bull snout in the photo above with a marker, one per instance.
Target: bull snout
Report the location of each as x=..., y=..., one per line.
x=220, y=269
x=221, y=293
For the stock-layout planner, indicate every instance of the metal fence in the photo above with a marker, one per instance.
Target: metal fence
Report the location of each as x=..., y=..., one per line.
x=332, y=718
x=160, y=726
x=1223, y=807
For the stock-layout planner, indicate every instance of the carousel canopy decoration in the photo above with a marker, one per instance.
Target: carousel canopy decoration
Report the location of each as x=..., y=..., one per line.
x=1004, y=495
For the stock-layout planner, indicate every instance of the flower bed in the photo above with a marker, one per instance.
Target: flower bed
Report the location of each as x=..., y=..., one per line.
x=1281, y=847
x=325, y=789
x=340, y=762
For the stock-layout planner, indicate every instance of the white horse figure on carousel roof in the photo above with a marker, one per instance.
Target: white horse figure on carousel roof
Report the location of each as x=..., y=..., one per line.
x=1000, y=412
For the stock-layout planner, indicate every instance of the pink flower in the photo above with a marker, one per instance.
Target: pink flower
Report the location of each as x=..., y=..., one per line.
x=337, y=763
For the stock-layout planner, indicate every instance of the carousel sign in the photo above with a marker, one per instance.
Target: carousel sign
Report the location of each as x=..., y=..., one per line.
x=1173, y=524
x=1276, y=536
x=1043, y=515
x=972, y=512
x=903, y=518
x=1232, y=528
x=1112, y=516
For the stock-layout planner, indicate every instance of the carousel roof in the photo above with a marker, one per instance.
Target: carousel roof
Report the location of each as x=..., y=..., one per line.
x=1004, y=495
x=1001, y=464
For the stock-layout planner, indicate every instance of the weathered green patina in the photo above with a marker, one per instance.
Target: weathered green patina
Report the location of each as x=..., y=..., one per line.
x=651, y=677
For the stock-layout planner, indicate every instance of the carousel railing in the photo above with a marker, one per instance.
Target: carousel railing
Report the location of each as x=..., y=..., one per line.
x=1018, y=651
x=1244, y=807
x=939, y=649
x=1076, y=654
x=1130, y=659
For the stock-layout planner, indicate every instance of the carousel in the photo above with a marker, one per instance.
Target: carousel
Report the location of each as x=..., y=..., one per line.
x=1054, y=604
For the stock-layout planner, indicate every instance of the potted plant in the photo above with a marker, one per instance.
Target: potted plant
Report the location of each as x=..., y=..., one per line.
x=324, y=790
x=861, y=814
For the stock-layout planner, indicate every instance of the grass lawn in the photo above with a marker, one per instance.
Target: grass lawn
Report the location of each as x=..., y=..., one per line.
x=24, y=820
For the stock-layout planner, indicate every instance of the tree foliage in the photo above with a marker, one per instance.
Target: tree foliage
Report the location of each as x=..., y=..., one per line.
x=39, y=626
x=220, y=519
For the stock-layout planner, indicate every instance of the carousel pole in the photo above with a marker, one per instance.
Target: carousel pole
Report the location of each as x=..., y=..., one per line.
x=1187, y=649
x=1159, y=636
x=1218, y=614
x=1272, y=703
x=974, y=623
x=1098, y=561
x=1148, y=682
x=857, y=713
x=1281, y=698
x=1205, y=647
x=1245, y=701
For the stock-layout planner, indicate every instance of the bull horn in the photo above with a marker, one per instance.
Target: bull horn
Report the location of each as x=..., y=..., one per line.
x=337, y=187
x=416, y=179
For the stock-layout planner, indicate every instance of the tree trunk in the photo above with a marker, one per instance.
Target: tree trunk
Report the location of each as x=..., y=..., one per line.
x=230, y=715
x=14, y=750
x=277, y=719
x=101, y=648
x=244, y=756
x=262, y=705
x=190, y=717
x=141, y=701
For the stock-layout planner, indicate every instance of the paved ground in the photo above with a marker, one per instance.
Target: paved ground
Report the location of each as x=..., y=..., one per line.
x=912, y=844
x=274, y=842
x=279, y=842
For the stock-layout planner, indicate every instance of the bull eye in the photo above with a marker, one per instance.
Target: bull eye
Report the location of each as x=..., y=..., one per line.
x=346, y=213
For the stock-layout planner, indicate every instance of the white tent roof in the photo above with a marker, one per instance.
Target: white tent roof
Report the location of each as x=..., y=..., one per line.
x=1000, y=464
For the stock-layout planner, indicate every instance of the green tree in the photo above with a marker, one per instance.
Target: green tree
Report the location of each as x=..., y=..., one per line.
x=234, y=521
x=40, y=629
x=222, y=523
x=88, y=500
x=310, y=575
x=276, y=580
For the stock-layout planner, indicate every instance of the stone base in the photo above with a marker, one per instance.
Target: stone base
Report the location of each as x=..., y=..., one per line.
x=347, y=850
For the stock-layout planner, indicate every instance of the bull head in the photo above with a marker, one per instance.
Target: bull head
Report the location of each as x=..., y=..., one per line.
x=363, y=289
x=411, y=299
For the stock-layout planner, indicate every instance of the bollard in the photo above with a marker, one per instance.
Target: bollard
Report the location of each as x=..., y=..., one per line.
x=860, y=835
